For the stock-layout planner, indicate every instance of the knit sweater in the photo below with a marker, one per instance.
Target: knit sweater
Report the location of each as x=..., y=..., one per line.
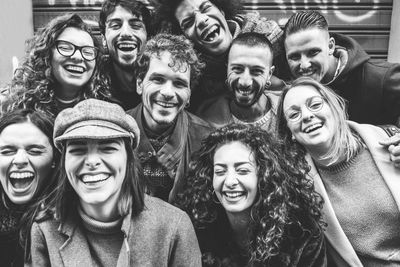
x=365, y=209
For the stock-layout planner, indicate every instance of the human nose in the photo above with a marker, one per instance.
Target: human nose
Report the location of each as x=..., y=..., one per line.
x=92, y=159
x=77, y=55
x=306, y=114
x=231, y=179
x=245, y=79
x=304, y=62
x=21, y=158
x=126, y=30
x=167, y=90
x=201, y=19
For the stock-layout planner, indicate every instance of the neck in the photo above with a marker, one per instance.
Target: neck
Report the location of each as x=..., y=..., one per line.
x=333, y=71
x=318, y=156
x=239, y=223
x=252, y=113
x=103, y=212
x=67, y=93
x=126, y=78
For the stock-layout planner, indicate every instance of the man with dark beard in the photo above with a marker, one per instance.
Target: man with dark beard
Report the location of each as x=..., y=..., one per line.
x=250, y=99
x=123, y=25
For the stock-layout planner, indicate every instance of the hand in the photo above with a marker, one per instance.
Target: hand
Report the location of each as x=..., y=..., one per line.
x=393, y=144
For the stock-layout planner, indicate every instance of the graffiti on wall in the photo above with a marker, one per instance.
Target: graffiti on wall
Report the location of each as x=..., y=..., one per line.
x=324, y=6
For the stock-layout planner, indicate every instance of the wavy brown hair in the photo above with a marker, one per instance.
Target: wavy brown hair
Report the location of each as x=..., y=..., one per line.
x=284, y=190
x=33, y=84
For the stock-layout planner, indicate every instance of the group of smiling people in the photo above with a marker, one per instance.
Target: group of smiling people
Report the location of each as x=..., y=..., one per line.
x=103, y=162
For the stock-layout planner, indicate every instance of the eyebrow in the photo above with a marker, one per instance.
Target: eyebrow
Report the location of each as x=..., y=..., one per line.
x=237, y=164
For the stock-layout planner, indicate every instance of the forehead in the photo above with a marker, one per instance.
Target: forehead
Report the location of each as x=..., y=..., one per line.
x=93, y=142
x=122, y=13
x=307, y=39
x=165, y=65
x=233, y=152
x=250, y=56
x=188, y=6
x=299, y=95
x=23, y=133
x=76, y=36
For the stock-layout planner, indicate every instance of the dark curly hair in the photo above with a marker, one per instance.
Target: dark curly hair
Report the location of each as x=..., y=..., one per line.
x=284, y=191
x=165, y=13
x=137, y=7
x=182, y=55
x=33, y=84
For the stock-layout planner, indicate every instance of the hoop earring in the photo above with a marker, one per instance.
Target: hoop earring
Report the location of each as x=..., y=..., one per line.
x=215, y=198
x=293, y=138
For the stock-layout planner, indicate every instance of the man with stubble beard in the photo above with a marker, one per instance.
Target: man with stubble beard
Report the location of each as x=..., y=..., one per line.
x=123, y=25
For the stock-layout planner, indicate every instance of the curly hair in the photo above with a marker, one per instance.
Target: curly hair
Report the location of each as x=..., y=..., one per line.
x=182, y=55
x=33, y=83
x=165, y=19
x=136, y=7
x=283, y=190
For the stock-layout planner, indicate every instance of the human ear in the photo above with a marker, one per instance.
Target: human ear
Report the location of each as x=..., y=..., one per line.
x=139, y=86
x=331, y=45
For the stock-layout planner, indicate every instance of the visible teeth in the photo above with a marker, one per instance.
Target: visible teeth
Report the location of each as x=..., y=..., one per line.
x=75, y=68
x=307, y=73
x=244, y=92
x=233, y=194
x=126, y=46
x=312, y=127
x=21, y=175
x=211, y=33
x=166, y=104
x=94, y=178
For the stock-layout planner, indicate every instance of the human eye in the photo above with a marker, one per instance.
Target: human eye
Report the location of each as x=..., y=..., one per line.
x=7, y=151
x=35, y=151
x=206, y=7
x=293, y=115
x=313, y=52
x=256, y=72
x=109, y=148
x=114, y=24
x=89, y=51
x=136, y=25
x=65, y=46
x=294, y=57
x=315, y=104
x=157, y=79
x=180, y=84
x=76, y=150
x=243, y=171
x=219, y=171
x=237, y=69
x=187, y=23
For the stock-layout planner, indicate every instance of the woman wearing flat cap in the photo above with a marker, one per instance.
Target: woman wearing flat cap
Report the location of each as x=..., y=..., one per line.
x=99, y=215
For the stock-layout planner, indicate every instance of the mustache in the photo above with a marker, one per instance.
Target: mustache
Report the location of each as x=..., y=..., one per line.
x=234, y=85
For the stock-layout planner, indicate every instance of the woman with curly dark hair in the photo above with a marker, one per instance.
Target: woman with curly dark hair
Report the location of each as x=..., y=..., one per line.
x=58, y=69
x=251, y=203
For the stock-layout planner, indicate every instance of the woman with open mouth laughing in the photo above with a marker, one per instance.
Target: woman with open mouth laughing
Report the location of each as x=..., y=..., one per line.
x=27, y=161
x=251, y=203
x=102, y=217
x=351, y=170
x=59, y=68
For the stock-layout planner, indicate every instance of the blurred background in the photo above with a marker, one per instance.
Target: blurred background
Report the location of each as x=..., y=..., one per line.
x=375, y=24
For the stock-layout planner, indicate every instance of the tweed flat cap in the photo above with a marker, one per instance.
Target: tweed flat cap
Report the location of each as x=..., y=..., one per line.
x=94, y=119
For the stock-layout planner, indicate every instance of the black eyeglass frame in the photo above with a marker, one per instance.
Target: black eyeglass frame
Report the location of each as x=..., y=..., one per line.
x=76, y=47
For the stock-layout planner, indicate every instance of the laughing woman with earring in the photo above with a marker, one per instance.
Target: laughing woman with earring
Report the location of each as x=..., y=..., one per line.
x=101, y=215
x=251, y=203
x=59, y=68
x=351, y=170
x=27, y=164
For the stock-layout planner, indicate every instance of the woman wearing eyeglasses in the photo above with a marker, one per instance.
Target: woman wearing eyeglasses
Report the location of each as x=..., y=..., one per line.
x=352, y=172
x=58, y=69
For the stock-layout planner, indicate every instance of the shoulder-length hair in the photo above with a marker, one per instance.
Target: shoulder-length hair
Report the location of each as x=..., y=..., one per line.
x=283, y=189
x=34, y=82
x=63, y=201
x=44, y=122
x=343, y=141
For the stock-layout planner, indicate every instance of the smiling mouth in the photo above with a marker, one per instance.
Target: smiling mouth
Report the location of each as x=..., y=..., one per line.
x=21, y=180
x=127, y=47
x=233, y=195
x=75, y=69
x=166, y=104
x=307, y=72
x=312, y=127
x=93, y=179
x=211, y=34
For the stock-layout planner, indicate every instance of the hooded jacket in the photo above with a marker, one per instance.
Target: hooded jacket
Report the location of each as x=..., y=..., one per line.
x=371, y=87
